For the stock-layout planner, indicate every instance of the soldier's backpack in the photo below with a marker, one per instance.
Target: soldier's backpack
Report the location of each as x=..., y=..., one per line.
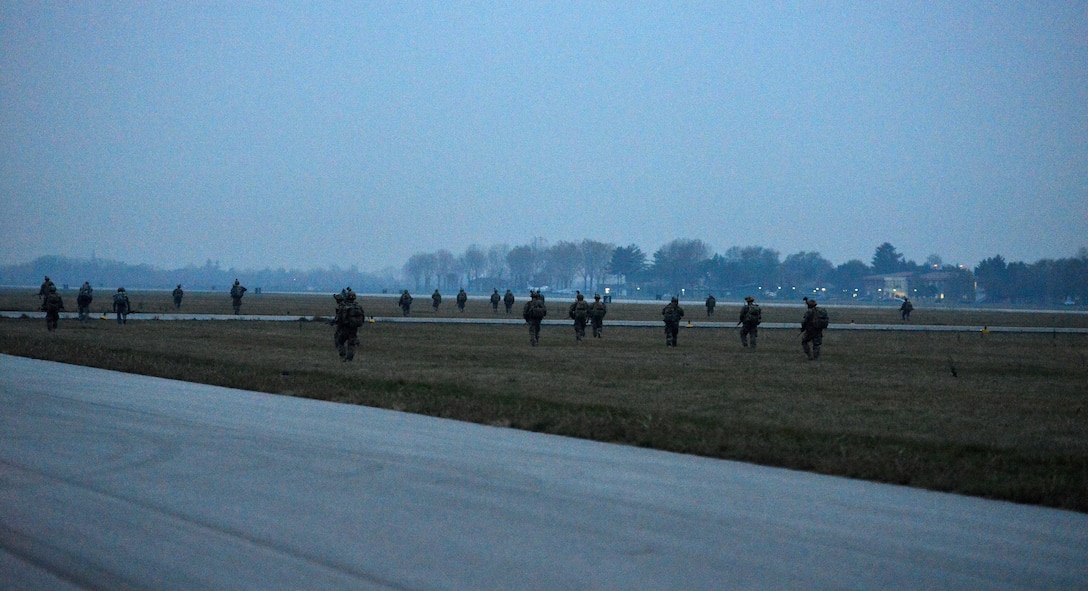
x=755, y=314
x=821, y=321
x=538, y=311
x=356, y=316
x=671, y=314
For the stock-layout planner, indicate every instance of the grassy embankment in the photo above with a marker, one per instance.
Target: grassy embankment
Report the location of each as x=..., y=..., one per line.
x=997, y=415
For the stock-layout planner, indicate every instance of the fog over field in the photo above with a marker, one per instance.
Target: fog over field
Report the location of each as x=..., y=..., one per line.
x=308, y=134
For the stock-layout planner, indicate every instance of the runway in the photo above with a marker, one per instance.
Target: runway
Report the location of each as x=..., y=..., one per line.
x=117, y=481
x=700, y=324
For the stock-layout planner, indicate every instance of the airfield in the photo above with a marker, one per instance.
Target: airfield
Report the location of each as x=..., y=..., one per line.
x=119, y=481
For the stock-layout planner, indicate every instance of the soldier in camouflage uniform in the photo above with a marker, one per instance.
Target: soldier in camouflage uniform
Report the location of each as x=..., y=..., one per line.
x=178, y=293
x=52, y=306
x=672, y=313
x=812, y=325
x=750, y=317
x=508, y=300
x=533, y=313
x=405, y=302
x=236, y=292
x=436, y=300
x=597, y=310
x=121, y=305
x=349, y=317
x=83, y=301
x=710, y=303
x=579, y=312
x=462, y=299
x=495, y=299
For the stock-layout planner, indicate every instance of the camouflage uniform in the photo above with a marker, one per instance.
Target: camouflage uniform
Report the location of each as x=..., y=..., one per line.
x=43, y=291
x=579, y=311
x=750, y=317
x=906, y=309
x=814, y=333
x=495, y=301
x=508, y=300
x=349, y=317
x=597, y=310
x=533, y=313
x=710, y=303
x=121, y=305
x=83, y=301
x=178, y=293
x=236, y=292
x=52, y=305
x=462, y=299
x=436, y=300
x=672, y=313
x=405, y=302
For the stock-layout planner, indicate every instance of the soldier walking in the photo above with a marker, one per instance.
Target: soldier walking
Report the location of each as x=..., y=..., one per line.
x=52, y=305
x=750, y=317
x=508, y=300
x=178, y=293
x=812, y=326
x=436, y=300
x=579, y=312
x=83, y=301
x=121, y=305
x=533, y=313
x=672, y=313
x=405, y=302
x=597, y=310
x=349, y=318
x=236, y=292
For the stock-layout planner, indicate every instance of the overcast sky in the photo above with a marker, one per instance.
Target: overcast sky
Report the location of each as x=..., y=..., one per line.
x=305, y=134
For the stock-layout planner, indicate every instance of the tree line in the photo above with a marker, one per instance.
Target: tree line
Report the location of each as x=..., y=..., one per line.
x=687, y=267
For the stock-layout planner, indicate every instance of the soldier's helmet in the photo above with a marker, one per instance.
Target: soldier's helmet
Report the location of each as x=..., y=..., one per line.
x=749, y=299
x=52, y=289
x=351, y=295
x=675, y=299
x=811, y=303
x=596, y=296
x=120, y=289
x=339, y=298
x=581, y=297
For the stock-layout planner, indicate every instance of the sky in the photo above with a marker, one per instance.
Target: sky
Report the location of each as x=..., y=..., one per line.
x=307, y=134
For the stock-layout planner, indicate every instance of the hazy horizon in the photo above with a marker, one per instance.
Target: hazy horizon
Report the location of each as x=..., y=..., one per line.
x=267, y=135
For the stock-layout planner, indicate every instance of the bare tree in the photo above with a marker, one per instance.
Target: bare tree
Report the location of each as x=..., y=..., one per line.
x=679, y=263
x=447, y=269
x=474, y=261
x=561, y=264
x=420, y=268
x=596, y=257
x=496, y=261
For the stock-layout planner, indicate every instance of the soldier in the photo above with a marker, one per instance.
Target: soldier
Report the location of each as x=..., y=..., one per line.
x=83, y=301
x=750, y=317
x=533, y=313
x=508, y=300
x=462, y=299
x=43, y=291
x=349, y=318
x=906, y=309
x=579, y=312
x=52, y=306
x=495, y=301
x=236, y=292
x=436, y=300
x=813, y=325
x=672, y=313
x=405, y=302
x=178, y=293
x=597, y=310
x=121, y=305
x=710, y=303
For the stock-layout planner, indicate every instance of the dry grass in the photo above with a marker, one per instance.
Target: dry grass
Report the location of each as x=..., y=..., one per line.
x=1009, y=424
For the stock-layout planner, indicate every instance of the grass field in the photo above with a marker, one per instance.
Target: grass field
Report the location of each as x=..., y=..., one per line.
x=998, y=415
